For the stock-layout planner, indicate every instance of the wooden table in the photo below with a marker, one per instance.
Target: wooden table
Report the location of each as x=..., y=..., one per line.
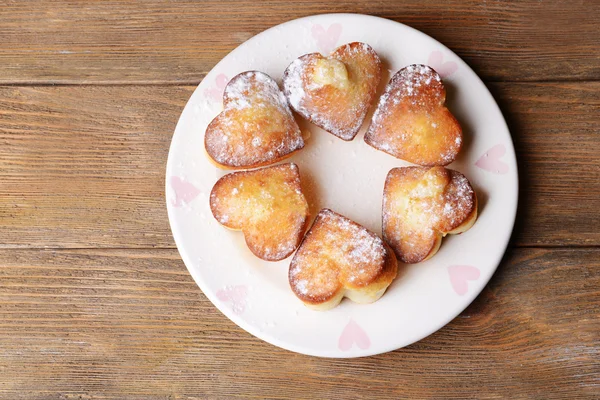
x=95, y=302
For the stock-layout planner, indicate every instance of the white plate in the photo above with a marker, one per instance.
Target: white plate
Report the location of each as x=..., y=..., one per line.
x=347, y=177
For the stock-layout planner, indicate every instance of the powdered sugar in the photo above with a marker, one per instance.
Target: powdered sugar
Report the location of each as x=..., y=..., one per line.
x=293, y=84
x=256, y=125
x=414, y=80
x=409, y=85
x=336, y=251
x=361, y=246
x=267, y=204
x=411, y=121
x=420, y=203
x=318, y=99
x=447, y=210
x=302, y=286
x=461, y=200
x=256, y=88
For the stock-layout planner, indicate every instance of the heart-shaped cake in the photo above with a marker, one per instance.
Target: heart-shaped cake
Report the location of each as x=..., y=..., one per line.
x=256, y=126
x=421, y=205
x=334, y=92
x=411, y=121
x=338, y=258
x=267, y=205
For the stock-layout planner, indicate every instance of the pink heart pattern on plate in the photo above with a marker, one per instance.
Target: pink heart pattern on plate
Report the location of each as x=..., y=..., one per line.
x=460, y=275
x=490, y=160
x=326, y=39
x=445, y=69
x=236, y=295
x=216, y=93
x=185, y=192
x=353, y=334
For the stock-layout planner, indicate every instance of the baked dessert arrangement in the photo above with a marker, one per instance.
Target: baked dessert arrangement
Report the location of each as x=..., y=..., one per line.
x=421, y=205
x=340, y=258
x=267, y=205
x=334, y=92
x=256, y=126
x=411, y=121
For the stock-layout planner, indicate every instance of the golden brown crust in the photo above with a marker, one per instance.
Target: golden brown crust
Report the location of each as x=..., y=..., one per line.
x=421, y=205
x=411, y=121
x=267, y=205
x=263, y=164
x=338, y=258
x=334, y=92
x=256, y=126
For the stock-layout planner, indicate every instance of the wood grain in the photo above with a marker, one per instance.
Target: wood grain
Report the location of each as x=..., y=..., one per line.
x=555, y=128
x=95, y=302
x=179, y=42
x=84, y=167
x=79, y=169
x=104, y=324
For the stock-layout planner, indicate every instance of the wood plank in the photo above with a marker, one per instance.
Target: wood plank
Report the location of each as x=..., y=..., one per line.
x=555, y=128
x=104, y=324
x=166, y=41
x=79, y=169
